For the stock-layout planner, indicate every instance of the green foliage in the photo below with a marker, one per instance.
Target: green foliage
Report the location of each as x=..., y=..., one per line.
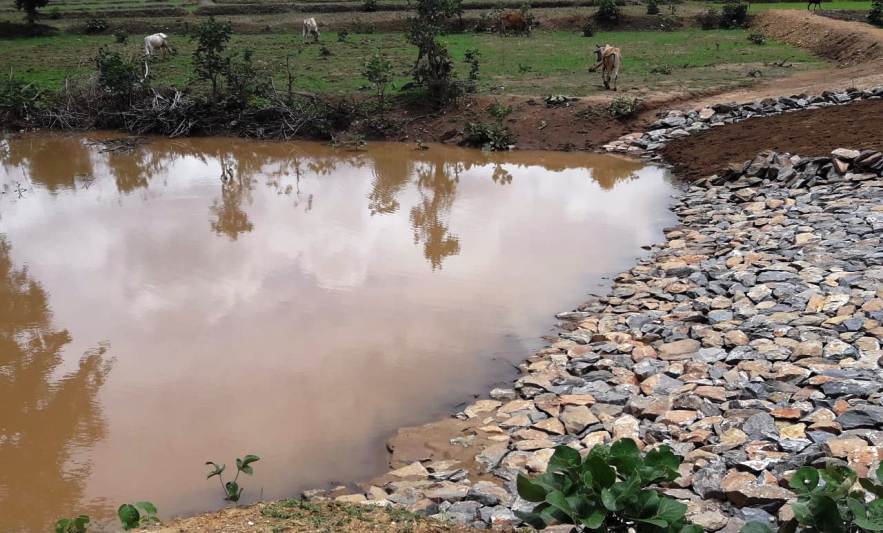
x=588, y=29
x=95, y=25
x=757, y=38
x=472, y=58
x=369, y=6
x=494, y=137
x=243, y=80
x=608, y=490
x=209, y=61
x=434, y=69
x=378, y=70
x=875, y=15
x=734, y=15
x=17, y=97
x=342, y=36
x=652, y=7
x=608, y=12
x=120, y=36
x=117, y=77
x=232, y=490
x=30, y=8
x=624, y=107
x=137, y=514
x=72, y=525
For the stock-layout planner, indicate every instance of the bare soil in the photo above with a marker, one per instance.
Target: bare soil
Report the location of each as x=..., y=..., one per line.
x=809, y=133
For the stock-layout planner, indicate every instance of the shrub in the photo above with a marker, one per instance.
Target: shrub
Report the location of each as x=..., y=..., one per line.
x=588, y=29
x=529, y=19
x=342, y=36
x=72, y=525
x=243, y=80
x=709, y=19
x=209, y=61
x=609, y=489
x=608, y=12
x=137, y=514
x=875, y=15
x=369, y=6
x=434, y=69
x=17, y=98
x=30, y=8
x=117, y=77
x=734, y=15
x=652, y=7
x=625, y=107
x=232, y=490
x=495, y=137
x=757, y=38
x=378, y=70
x=54, y=14
x=95, y=25
x=120, y=36
x=661, y=69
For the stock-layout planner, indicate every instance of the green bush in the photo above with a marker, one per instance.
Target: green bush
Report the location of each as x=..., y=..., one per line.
x=588, y=29
x=608, y=12
x=378, y=70
x=243, y=80
x=734, y=15
x=209, y=62
x=95, y=25
x=120, y=36
x=369, y=6
x=117, y=76
x=625, y=107
x=652, y=7
x=875, y=15
x=494, y=137
x=17, y=97
x=611, y=489
x=757, y=38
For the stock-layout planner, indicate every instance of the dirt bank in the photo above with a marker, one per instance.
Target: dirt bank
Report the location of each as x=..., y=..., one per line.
x=811, y=133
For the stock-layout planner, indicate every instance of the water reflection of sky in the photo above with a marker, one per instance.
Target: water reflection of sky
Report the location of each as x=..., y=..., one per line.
x=346, y=293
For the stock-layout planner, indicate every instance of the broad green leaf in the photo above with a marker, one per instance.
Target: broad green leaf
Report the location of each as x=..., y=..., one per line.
x=217, y=469
x=63, y=525
x=532, y=519
x=872, y=487
x=608, y=498
x=802, y=512
x=529, y=490
x=755, y=527
x=872, y=520
x=243, y=464
x=625, y=456
x=552, y=515
x=653, y=521
x=594, y=520
x=826, y=515
x=565, y=458
x=670, y=510
x=879, y=473
x=661, y=463
x=805, y=480
x=558, y=500
x=129, y=516
x=602, y=475
x=838, y=481
x=233, y=491
x=648, y=502
x=147, y=507
x=693, y=528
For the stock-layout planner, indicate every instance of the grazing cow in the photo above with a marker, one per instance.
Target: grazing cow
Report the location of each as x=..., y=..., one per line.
x=156, y=43
x=514, y=22
x=817, y=4
x=609, y=59
x=311, y=29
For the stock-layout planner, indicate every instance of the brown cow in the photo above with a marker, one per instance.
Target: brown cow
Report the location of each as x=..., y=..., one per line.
x=514, y=22
x=609, y=59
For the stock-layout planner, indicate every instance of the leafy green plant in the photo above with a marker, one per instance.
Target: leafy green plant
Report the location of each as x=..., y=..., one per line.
x=378, y=70
x=494, y=137
x=757, y=38
x=472, y=58
x=95, y=25
x=608, y=12
x=137, y=514
x=609, y=490
x=342, y=36
x=18, y=98
x=209, y=61
x=120, y=36
x=232, y=490
x=588, y=29
x=72, y=525
x=434, y=69
x=875, y=15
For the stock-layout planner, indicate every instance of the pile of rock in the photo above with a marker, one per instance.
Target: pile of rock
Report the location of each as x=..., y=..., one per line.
x=677, y=124
x=749, y=342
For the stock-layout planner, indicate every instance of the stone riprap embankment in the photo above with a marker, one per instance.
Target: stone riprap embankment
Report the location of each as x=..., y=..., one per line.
x=749, y=342
x=677, y=124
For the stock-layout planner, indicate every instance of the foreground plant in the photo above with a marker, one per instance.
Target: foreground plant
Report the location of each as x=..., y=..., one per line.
x=608, y=490
x=829, y=502
x=232, y=490
x=72, y=525
x=137, y=514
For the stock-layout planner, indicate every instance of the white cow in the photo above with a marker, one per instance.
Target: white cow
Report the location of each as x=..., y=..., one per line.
x=156, y=43
x=311, y=29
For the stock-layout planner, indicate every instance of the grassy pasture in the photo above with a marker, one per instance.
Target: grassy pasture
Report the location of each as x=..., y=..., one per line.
x=548, y=62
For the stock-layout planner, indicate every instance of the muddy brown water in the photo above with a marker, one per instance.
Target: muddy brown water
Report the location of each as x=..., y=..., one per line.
x=152, y=318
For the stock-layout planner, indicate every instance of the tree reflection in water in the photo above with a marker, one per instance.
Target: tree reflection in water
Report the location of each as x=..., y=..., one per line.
x=44, y=421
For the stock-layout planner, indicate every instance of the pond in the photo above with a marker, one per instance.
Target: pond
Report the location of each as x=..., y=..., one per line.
x=179, y=301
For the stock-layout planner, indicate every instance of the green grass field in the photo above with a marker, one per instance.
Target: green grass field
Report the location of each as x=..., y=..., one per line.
x=546, y=63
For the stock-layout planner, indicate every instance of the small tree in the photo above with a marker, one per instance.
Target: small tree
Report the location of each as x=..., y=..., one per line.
x=434, y=67
x=30, y=8
x=209, y=61
x=378, y=70
x=608, y=12
x=652, y=7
